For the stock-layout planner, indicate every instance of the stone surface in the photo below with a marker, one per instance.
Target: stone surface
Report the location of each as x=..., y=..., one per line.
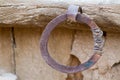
x=38, y=13
x=29, y=63
x=71, y=45
x=67, y=46
x=102, y=70
x=6, y=58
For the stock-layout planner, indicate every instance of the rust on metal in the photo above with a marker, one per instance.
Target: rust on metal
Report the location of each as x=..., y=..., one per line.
x=98, y=43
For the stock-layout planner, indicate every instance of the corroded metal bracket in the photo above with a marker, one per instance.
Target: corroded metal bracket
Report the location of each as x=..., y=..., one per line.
x=72, y=12
x=97, y=35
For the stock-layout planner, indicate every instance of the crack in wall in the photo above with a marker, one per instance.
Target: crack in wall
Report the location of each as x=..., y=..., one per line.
x=13, y=49
x=116, y=64
x=73, y=38
x=74, y=61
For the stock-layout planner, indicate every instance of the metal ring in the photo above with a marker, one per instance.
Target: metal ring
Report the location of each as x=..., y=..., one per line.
x=97, y=34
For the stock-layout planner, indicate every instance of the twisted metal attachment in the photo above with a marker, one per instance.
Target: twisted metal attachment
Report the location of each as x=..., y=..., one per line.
x=98, y=39
x=97, y=35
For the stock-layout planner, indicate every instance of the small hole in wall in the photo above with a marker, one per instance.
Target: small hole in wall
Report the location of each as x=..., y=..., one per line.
x=74, y=61
x=104, y=33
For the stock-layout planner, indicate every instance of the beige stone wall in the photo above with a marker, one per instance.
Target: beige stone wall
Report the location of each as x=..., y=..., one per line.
x=6, y=53
x=67, y=46
x=105, y=67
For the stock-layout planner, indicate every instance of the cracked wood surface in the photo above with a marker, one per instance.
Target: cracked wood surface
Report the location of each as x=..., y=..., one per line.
x=38, y=14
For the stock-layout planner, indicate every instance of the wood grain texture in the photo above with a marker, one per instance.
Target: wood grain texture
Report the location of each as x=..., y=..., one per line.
x=6, y=53
x=29, y=63
x=39, y=13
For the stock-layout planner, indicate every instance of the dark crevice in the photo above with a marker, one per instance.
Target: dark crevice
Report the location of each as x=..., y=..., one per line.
x=104, y=33
x=13, y=49
x=73, y=38
x=104, y=37
x=74, y=61
x=116, y=64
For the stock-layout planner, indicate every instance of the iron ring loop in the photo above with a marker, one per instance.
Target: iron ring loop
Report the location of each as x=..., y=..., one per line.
x=71, y=69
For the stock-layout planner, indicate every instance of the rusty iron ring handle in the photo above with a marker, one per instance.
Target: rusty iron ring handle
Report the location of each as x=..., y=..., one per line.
x=98, y=44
